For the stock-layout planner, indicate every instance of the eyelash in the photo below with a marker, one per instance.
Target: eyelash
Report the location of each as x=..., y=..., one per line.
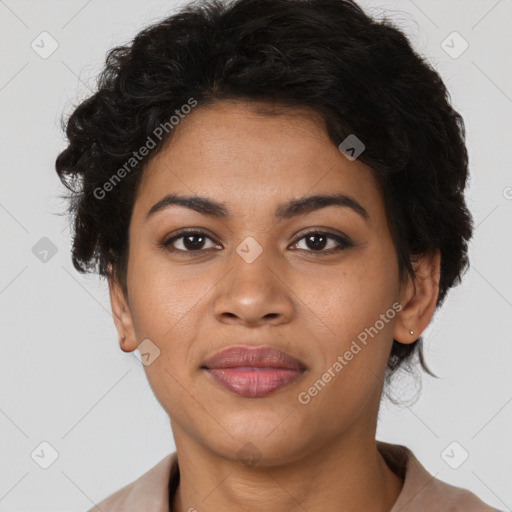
x=344, y=242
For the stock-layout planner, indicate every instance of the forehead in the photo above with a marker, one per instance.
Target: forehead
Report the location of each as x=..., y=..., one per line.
x=250, y=161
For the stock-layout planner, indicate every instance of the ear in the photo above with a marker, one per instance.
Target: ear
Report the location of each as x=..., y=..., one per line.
x=122, y=315
x=418, y=297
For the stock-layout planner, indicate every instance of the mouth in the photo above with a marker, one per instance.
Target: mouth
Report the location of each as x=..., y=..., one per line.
x=253, y=372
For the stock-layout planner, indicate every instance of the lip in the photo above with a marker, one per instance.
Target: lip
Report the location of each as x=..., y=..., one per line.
x=253, y=371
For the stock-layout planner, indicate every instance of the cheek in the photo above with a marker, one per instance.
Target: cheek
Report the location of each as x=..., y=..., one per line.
x=163, y=296
x=346, y=299
x=350, y=315
x=165, y=306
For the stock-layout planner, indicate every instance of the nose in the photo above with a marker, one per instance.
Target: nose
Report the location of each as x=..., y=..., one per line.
x=254, y=294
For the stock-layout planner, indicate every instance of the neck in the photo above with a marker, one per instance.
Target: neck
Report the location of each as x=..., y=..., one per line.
x=348, y=475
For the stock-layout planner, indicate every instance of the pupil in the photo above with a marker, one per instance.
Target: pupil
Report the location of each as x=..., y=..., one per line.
x=191, y=245
x=317, y=246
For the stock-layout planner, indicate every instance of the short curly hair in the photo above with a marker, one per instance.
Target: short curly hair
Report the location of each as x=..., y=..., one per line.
x=360, y=74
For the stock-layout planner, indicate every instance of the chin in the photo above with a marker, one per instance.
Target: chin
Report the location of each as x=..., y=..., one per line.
x=258, y=448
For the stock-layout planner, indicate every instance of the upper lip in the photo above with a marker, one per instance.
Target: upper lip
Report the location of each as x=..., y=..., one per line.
x=257, y=357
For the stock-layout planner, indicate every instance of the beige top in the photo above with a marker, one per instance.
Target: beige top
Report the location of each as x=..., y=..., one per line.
x=421, y=492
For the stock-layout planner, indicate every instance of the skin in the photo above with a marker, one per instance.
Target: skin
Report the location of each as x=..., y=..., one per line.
x=294, y=297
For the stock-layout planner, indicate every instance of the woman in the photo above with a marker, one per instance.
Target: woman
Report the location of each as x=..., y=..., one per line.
x=274, y=190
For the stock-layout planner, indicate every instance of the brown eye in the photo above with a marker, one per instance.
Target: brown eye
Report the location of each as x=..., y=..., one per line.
x=317, y=241
x=190, y=241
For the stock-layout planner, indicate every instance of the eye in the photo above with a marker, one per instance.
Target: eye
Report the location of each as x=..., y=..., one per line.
x=194, y=242
x=188, y=241
x=317, y=241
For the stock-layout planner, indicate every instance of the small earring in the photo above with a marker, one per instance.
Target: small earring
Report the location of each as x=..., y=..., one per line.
x=411, y=332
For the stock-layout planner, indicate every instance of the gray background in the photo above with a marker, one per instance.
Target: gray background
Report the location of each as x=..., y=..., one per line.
x=64, y=379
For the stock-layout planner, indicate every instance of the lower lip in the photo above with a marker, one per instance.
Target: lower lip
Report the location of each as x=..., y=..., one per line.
x=254, y=382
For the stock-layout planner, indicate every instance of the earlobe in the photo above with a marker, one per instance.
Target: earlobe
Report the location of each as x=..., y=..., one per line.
x=419, y=298
x=123, y=345
x=121, y=315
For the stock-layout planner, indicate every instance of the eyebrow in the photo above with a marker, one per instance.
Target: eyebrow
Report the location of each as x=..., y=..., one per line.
x=293, y=208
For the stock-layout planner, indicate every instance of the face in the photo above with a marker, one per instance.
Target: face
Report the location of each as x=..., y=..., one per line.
x=321, y=276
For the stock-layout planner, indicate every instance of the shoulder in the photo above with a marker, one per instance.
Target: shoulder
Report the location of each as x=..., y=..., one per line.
x=422, y=491
x=149, y=491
